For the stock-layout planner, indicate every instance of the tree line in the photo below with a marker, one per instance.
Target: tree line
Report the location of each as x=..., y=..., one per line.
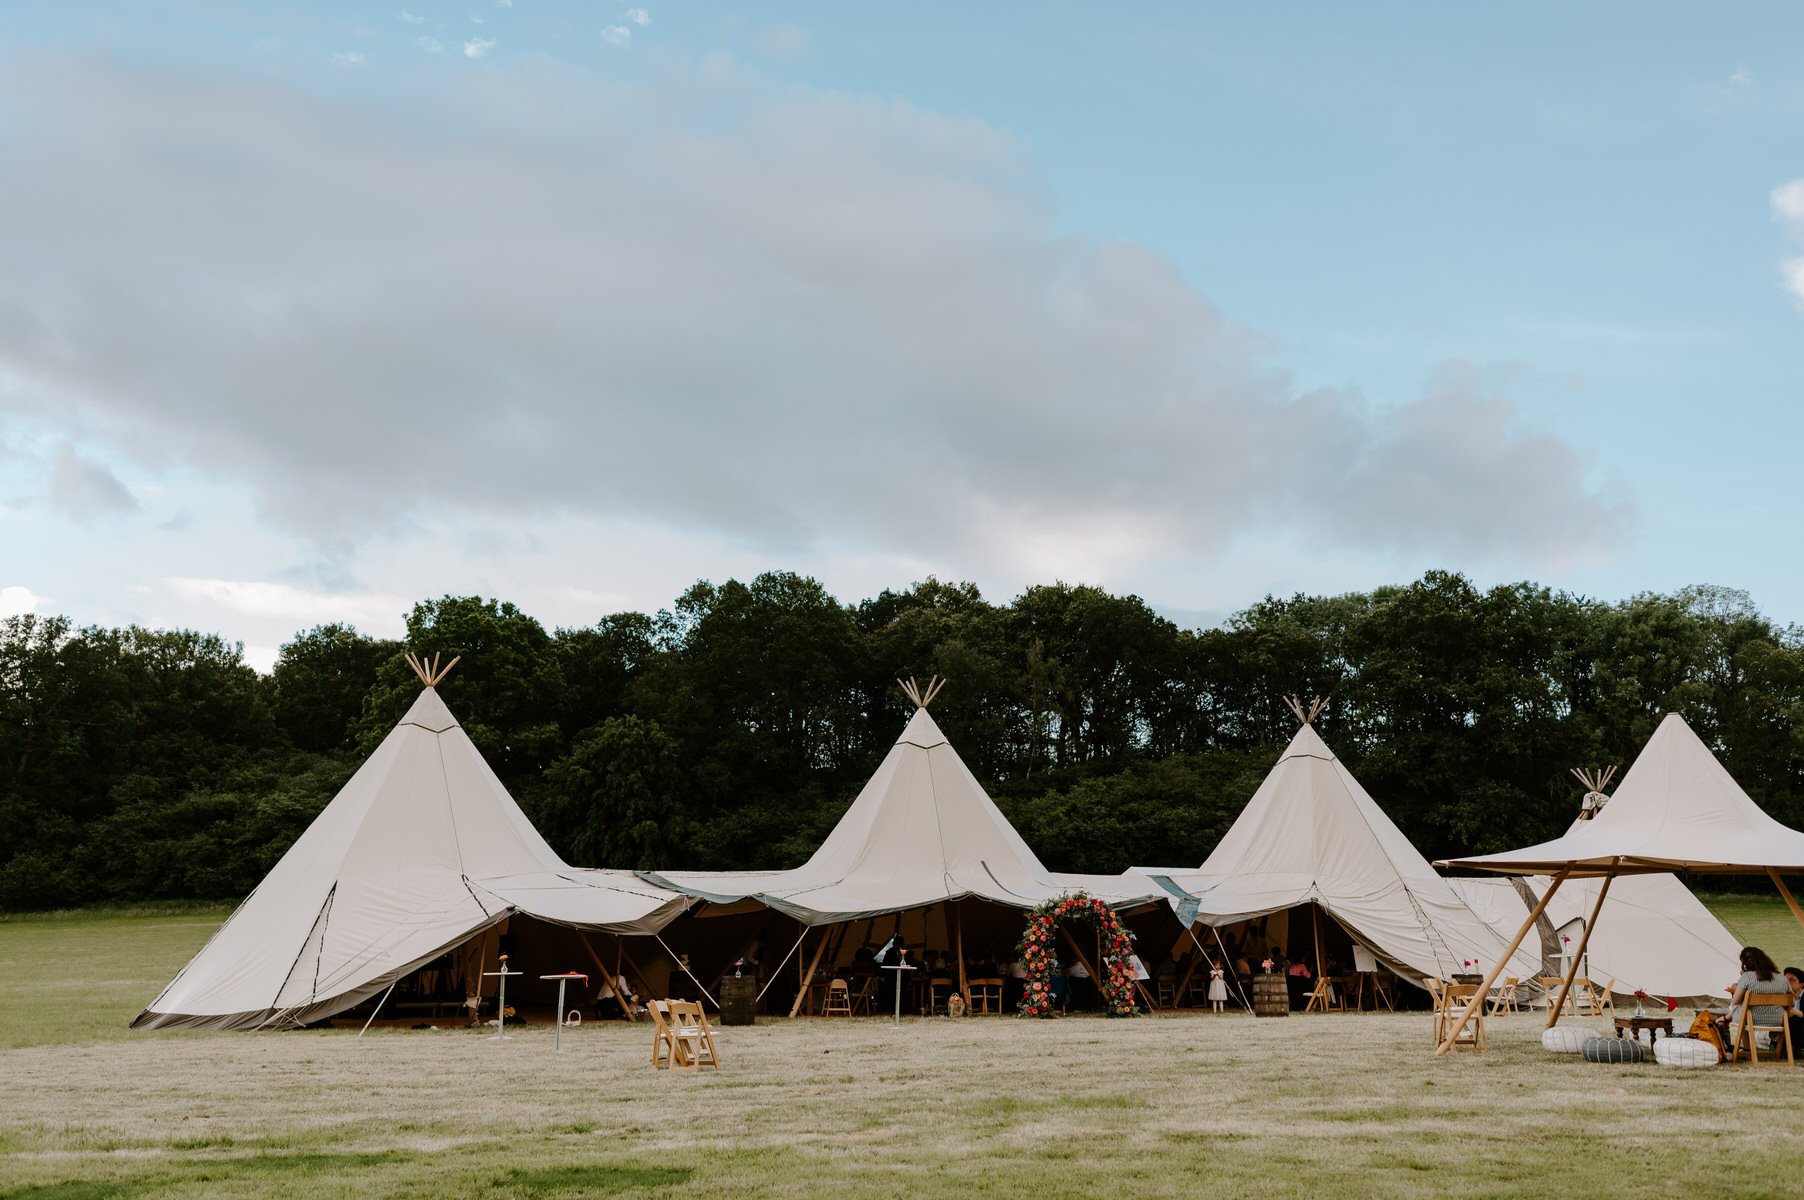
x=733, y=729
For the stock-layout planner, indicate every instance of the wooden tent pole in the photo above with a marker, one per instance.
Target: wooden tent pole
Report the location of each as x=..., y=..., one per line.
x=1177, y=999
x=1485, y=988
x=808, y=976
x=1786, y=892
x=1578, y=956
x=620, y=946
x=626, y=1006
x=958, y=946
x=1315, y=919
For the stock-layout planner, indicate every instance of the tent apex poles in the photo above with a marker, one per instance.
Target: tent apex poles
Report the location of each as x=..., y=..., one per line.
x=1484, y=989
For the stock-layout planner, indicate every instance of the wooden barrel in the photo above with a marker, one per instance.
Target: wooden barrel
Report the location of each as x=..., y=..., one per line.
x=738, y=1000
x=1270, y=996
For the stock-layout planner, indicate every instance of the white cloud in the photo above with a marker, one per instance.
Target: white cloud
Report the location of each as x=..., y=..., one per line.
x=477, y=47
x=1742, y=78
x=727, y=308
x=17, y=601
x=384, y=616
x=616, y=35
x=638, y=16
x=430, y=45
x=411, y=19
x=1788, y=208
x=262, y=659
x=348, y=58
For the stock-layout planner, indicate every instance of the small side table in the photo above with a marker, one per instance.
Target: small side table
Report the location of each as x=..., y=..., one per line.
x=1654, y=1025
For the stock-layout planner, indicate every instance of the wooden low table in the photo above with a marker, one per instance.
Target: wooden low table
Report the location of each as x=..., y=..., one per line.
x=1654, y=1025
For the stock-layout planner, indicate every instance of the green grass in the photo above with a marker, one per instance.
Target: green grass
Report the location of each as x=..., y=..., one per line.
x=1149, y=1108
x=1762, y=921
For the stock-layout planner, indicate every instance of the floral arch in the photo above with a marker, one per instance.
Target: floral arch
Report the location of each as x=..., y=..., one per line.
x=1040, y=959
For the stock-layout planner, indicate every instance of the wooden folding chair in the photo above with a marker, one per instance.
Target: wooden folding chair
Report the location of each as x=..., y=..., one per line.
x=1381, y=990
x=662, y=1045
x=839, y=1000
x=1438, y=996
x=1454, y=999
x=939, y=990
x=1551, y=989
x=691, y=1039
x=1167, y=991
x=1747, y=1027
x=864, y=997
x=1503, y=998
x=1322, y=997
x=986, y=997
x=1595, y=999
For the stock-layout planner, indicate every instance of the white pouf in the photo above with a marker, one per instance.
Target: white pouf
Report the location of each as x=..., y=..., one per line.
x=1685, y=1052
x=1566, y=1039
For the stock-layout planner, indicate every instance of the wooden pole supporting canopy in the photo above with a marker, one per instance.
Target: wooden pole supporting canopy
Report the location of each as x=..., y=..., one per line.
x=1779, y=883
x=808, y=976
x=1578, y=956
x=607, y=977
x=1484, y=989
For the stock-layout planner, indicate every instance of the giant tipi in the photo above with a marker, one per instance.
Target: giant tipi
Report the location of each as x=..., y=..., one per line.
x=922, y=840
x=1311, y=835
x=422, y=851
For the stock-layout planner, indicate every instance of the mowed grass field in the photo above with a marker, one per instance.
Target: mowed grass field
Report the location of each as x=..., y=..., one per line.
x=1192, y=1105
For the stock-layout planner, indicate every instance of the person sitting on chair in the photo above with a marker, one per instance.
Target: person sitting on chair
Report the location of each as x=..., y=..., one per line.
x=1758, y=974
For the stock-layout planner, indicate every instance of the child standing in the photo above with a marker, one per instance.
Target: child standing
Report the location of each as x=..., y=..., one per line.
x=1218, y=989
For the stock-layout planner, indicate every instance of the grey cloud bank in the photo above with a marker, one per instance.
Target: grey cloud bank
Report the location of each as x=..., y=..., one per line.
x=714, y=303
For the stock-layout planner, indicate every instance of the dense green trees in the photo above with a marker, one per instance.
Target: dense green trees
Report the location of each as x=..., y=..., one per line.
x=733, y=729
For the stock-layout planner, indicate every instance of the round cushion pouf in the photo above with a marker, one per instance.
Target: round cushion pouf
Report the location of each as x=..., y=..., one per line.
x=1612, y=1050
x=1564, y=1039
x=1685, y=1052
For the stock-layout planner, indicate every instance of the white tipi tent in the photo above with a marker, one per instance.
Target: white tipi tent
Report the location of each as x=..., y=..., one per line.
x=1677, y=809
x=422, y=850
x=921, y=832
x=1311, y=834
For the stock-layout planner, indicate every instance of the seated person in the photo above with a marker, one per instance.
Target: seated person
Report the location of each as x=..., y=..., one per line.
x=1298, y=982
x=1758, y=974
x=608, y=1006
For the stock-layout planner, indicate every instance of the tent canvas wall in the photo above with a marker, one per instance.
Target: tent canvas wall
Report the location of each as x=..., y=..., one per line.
x=1312, y=835
x=422, y=850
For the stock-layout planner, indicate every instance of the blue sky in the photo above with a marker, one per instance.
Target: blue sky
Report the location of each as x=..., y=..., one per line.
x=307, y=312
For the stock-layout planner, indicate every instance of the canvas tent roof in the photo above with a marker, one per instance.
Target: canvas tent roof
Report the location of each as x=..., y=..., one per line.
x=923, y=831
x=1312, y=834
x=1676, y=809
x=1651, y=934
x=422, y=849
